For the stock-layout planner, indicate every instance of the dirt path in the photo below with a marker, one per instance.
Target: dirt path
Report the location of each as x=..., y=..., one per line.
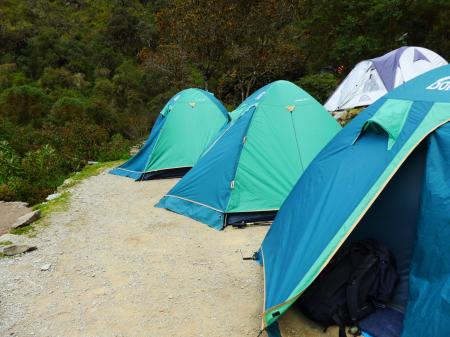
x=120, y=267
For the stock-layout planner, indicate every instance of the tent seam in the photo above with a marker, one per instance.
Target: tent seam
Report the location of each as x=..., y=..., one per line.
x=156, y=141
x=297, y=142
x=193, y=201
x=253, y=110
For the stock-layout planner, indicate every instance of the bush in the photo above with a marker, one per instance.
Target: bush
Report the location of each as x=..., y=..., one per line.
x=42, y=165
x=9, y=162
x=10, y=76
x=101, y=112
x=81, y=142
x=24, y=105
x=103, y=88
x=6, y=194
x=130, y=90
x=67, y=109
x=30, y=178
x=320, y=86
x=117, y=148
x=56, y=78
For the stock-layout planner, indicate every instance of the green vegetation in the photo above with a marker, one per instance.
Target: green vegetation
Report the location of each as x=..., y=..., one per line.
x=5, y=243
x=58, y=204
x=71, y=89
x=82, y=80
x=26, y=230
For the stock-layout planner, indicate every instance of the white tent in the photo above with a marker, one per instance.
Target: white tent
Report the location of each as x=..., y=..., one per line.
x=371, y=79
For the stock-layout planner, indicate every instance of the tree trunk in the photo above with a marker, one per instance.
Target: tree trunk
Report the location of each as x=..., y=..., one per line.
x=250, y=85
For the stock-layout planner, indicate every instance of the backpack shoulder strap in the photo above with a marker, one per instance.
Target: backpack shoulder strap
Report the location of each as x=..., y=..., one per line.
x=354, y=285
x=337, y=318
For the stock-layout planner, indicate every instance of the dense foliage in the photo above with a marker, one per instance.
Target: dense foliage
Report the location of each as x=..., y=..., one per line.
x=83, y=79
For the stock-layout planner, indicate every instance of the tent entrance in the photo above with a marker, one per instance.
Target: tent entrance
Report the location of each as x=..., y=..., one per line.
x=166, y=173
x=241, y=219
x=393, y=219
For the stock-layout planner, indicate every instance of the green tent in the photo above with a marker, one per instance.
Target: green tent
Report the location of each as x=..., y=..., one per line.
x=185, y=126
x=250, y=168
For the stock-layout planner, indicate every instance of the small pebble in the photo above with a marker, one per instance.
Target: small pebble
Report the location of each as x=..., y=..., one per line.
x=46, y=267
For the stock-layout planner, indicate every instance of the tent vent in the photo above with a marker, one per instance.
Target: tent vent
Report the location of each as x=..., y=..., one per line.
x=290, y=108
x=232, y=184
x=192, y=104
x=390, y=117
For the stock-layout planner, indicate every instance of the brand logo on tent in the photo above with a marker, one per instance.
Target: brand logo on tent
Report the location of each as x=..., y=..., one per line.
x=442, y=84
x=290, y=108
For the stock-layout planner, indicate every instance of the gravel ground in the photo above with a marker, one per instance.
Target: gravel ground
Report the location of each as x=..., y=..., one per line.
x=120, y=267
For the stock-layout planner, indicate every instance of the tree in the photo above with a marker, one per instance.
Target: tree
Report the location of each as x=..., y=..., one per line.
x=128, y=31
x=68, y=109
x=243, y=43
x=201, y=28
x=24, y=105
x=320, y=86
x=88, y=77
x=336, y=33
x=263, y=46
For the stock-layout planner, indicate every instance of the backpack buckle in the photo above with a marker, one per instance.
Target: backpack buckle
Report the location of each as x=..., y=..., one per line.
x=354, y=330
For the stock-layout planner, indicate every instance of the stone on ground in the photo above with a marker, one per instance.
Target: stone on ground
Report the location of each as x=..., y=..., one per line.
x=27, y=219
x=12, y=250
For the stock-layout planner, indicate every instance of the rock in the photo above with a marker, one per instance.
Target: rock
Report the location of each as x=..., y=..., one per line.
x=27, y=219
x=53, y=196
x=10, y=237
x=17, y=249
x=90, y=162
x=68, y=181
x=46, y=267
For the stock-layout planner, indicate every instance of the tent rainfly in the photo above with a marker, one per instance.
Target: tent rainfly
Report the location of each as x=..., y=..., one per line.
x=371, y=79
x=182, y=131
x=251, y=167
x=385, y=176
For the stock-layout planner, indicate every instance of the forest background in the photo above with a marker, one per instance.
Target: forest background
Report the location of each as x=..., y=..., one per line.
x=84, y=80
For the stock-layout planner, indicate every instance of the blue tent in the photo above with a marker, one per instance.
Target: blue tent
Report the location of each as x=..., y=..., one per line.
x=184, y=128
x=385, y=176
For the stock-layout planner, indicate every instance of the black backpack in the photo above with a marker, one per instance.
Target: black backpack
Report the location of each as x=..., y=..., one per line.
x=360, y=277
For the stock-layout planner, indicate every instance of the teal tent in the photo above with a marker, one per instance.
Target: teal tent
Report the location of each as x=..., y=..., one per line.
x=385, y=176
x=183, y=129
x=252, y=165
